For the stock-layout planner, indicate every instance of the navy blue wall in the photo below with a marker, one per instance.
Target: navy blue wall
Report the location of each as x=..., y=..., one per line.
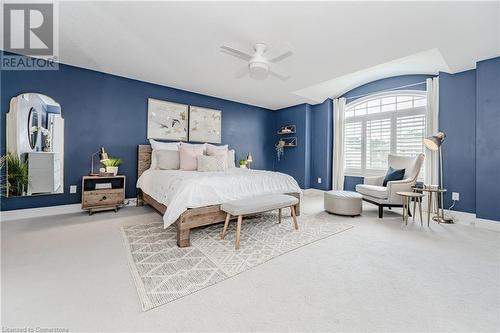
x=488, y=139
x=321, y=145
x=376, y=86
x=111, y=111
x=457, y=118
x=294, y=161
x=350, y=182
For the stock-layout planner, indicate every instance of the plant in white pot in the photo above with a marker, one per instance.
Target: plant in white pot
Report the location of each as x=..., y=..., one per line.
x=243, y=164
x=112, y=165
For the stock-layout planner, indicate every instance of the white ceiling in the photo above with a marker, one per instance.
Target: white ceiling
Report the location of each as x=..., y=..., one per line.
x=428, y=62
x=177, y=44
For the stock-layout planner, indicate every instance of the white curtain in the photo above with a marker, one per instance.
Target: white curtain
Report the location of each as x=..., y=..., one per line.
x=338, y=143
x=432, y=127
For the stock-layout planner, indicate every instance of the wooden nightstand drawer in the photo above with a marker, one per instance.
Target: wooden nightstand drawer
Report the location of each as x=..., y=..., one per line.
x=102, y=198
x=95, y=198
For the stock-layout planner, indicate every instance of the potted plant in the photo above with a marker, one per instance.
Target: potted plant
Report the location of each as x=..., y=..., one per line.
x=15, y=181
x=112, y=165
x=243, y=164
x=280, y=149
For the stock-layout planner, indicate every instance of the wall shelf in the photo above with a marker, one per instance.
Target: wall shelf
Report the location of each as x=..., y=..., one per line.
x=289, y=129
x=289, y=142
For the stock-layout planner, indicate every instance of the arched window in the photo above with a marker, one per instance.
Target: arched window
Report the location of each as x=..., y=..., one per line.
x=379, y=124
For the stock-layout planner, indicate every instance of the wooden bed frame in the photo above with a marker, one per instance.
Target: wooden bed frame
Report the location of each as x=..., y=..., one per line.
x=193, y=217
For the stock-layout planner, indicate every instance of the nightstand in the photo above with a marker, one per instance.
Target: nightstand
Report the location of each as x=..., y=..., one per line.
x=103, y=193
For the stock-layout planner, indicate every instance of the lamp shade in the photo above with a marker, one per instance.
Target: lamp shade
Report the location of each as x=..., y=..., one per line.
x=434, y=142
x=103, y=155
x=249, y=158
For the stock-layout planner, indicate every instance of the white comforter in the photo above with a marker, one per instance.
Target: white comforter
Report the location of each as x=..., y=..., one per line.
x=180, y=190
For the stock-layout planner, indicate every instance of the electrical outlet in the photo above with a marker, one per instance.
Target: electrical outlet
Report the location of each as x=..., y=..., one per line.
x=455, y=196
x=319, y=180
x=72, y=189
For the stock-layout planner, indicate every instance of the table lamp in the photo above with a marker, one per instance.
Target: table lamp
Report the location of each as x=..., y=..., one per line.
x=434, y=143
x=103, y=156
x=249, y=159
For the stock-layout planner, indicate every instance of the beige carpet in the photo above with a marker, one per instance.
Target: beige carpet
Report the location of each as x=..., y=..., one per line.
x=163, y=272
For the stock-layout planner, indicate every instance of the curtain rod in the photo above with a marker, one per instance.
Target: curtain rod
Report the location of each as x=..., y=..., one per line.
x=390, y=89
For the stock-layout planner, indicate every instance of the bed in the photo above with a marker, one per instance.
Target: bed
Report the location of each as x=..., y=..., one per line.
x=191, y=199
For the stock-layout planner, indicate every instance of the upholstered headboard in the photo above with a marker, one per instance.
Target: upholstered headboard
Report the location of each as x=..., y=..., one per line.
x=143, y=158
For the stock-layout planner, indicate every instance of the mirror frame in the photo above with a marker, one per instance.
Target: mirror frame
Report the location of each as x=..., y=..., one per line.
x=12, y=135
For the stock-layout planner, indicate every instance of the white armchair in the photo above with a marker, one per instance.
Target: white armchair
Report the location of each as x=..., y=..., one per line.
x=374, y=192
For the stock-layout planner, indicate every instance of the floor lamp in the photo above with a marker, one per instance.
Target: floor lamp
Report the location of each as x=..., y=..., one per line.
x=434, y=143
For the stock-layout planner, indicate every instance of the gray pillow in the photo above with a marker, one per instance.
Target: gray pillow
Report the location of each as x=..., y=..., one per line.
x=167, y=159
x=211, y=163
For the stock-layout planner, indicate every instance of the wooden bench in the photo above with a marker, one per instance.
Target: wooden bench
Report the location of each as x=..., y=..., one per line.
x=256, y=205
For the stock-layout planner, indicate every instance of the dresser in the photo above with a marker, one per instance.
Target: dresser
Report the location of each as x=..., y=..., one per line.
x=103, y=193
x=44, y=172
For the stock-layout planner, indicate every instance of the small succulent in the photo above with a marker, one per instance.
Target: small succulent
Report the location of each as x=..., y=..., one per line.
x=112, y=162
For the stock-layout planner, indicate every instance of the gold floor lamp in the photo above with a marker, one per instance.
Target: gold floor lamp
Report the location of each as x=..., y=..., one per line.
x=434, y=143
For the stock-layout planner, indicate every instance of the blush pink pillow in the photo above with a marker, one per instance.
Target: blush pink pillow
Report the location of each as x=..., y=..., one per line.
x=188, y=156
x=220, y=151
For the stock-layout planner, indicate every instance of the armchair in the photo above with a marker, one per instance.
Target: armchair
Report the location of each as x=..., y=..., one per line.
x=374, y=192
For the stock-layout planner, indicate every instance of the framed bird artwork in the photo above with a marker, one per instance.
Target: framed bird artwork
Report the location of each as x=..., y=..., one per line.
x=167, y=120
x=205, y=125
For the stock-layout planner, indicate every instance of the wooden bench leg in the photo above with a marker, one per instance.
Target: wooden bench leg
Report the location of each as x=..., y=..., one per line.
x=226, y=224
x=238, y=230
x=292, y=209
x=279, y=215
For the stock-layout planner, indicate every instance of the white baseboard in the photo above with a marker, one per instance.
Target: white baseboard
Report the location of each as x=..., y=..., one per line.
x=18, y=214
x=471, y=220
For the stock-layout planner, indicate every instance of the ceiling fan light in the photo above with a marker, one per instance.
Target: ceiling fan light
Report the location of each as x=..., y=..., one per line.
x=258, y=70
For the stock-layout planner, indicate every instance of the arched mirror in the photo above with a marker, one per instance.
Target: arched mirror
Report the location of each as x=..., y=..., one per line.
x=34, y=161
x=33, y=127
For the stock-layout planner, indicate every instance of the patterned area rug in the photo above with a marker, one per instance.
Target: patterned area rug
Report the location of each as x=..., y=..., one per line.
x=164, y=272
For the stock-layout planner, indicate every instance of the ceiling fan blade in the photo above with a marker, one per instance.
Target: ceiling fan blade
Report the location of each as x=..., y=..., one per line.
x=241, y=72
x=236, y=53
x=279, y=73
x=281, y=57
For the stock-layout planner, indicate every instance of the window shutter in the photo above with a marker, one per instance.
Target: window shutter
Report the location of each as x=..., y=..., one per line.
x=352, y=146
x=378, y=143
x=409, y=133
x=382, y=124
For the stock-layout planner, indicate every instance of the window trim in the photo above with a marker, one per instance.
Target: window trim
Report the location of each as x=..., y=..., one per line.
x=393, y=115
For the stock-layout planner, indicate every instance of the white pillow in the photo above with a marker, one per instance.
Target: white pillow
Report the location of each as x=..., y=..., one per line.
x=231, y=158
x=211, y=147
x=211, y=163
x=204, y=145
x=166, y=159
x=158, y=145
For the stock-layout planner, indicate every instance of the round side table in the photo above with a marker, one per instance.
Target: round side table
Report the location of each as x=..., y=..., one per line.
x=434, y=192
x=417, y=198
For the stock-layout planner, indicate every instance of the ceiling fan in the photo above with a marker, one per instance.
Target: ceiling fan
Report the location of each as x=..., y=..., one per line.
x=258, y=67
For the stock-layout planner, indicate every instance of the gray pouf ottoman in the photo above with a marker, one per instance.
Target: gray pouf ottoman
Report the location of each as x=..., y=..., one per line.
x=343, y=202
